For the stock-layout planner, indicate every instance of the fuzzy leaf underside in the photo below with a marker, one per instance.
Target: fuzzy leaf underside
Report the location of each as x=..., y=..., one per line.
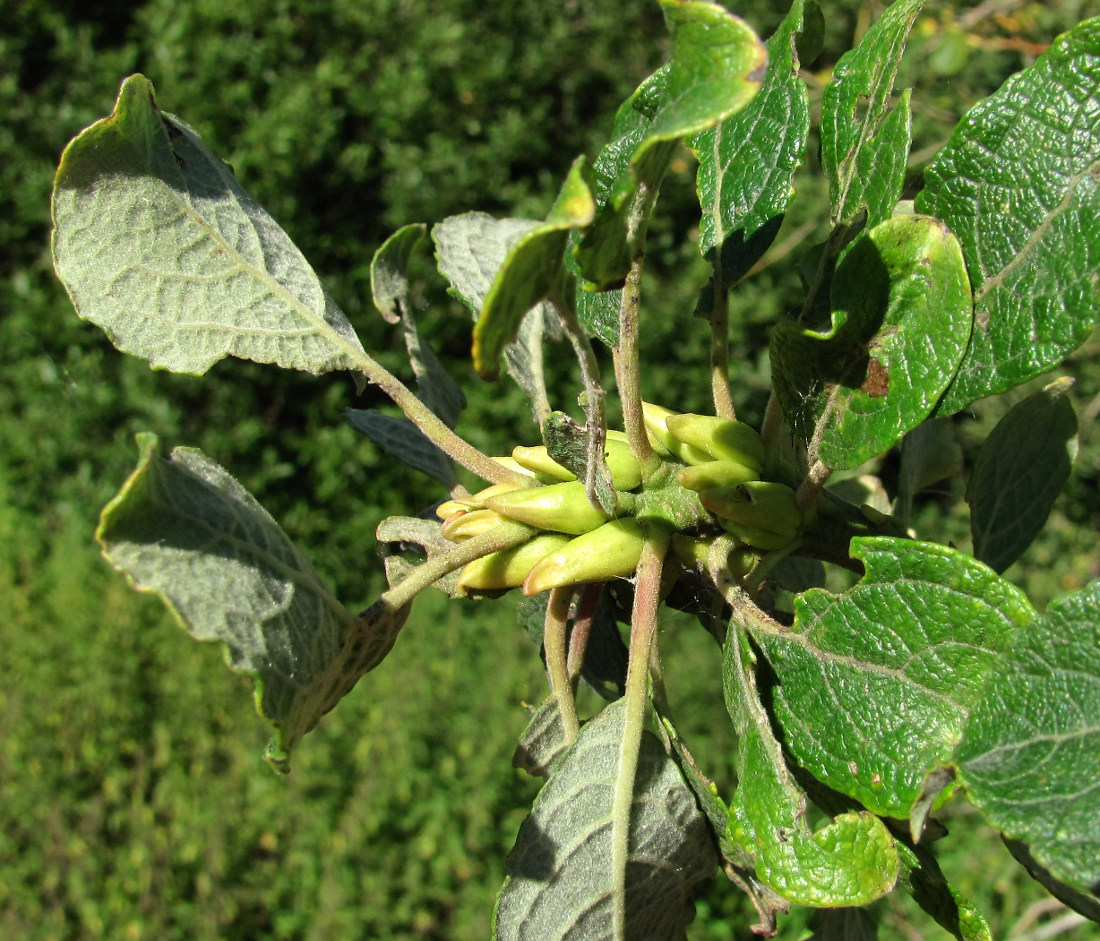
x=747, y=162
x=1019, y=185
x=533, y=271
x=558, y=885
x=1020, y=471
x=390, y=292
x=874, y=686
x=185, y=530
x=851, y=861
x=1029, y=752
x=901, y=317
x=864, y=139
x=158, y=245
x=470, y=249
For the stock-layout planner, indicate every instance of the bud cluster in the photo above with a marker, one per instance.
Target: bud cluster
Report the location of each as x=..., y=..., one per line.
x=577, y=542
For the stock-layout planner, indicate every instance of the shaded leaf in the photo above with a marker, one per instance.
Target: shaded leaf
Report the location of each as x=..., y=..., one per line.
x=533, y=271
x=397, y=535
x=1019, y=185
x=929, y=453
x=875, y=685
x=470, y=249
x=1021, y=469
x=747, y=162
x=923, y=879
x=850, y=861
x=390, y=291
x=158, y=244
x=389, y=283
x=558, y=883
x=901, y=316
x=401, y=438
x=1028, y=755
x=185, y=530
x=543, y=741
x=864, y=138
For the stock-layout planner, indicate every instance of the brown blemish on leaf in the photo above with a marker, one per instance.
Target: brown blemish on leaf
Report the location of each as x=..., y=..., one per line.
x=877, y=383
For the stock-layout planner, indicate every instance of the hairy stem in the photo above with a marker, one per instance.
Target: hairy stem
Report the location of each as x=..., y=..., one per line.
x=554, y=644
x=720, y=349
x=811, y=486
x=594, y=395
x=506, y=536
x=643, y=634
x=628, y=373
x=582, y=629
x=443, y=437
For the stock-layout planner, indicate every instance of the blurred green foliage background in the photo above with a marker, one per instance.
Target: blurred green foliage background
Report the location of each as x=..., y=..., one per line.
x=133, y=802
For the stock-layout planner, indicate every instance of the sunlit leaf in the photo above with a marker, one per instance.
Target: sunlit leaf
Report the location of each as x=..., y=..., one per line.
x=159, y=245
x=1019, y=185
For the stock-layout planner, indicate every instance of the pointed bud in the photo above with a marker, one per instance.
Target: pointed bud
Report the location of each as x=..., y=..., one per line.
x=721, y=439
x=462, y=526
x=626, y=472
x=759, y=503
x=754, y=536
x=499, y=571
x=611, y=551
x=754, y=508
x=538, y=461
x=716, y=474
x=510, y=463
x=695, y=554
x=664, y=442
x=562, y=508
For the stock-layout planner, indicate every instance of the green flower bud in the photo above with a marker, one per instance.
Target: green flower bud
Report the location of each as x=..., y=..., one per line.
x=722, y=439
x=754, y=536
x=664, y=442
x=461, y=526
x=694, y=552
x=716, y=474
x=537, y=459
x=759, y=504
x=626, y=472
x=562, y=508
x=499, y=571
x=611, y=551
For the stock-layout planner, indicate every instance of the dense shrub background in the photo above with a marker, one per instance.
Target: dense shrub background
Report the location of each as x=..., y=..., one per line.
x=132, y=800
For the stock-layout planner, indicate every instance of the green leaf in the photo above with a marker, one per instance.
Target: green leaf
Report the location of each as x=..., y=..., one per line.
x=470, y=250
x=185, y=530
x=864, y=140
x=1019, y=185
x=923, y=879
x=533, y=271
x=1021, y=469
x=389, y=281
x=390, y=291
x=850, y=861
x=929, y=453
x=715, y=67
x=1028, y=755
x=559, y=885
x=158, y=244
x=747, y=162
x=901, y=318
x=401, y=438
x=874, y=686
